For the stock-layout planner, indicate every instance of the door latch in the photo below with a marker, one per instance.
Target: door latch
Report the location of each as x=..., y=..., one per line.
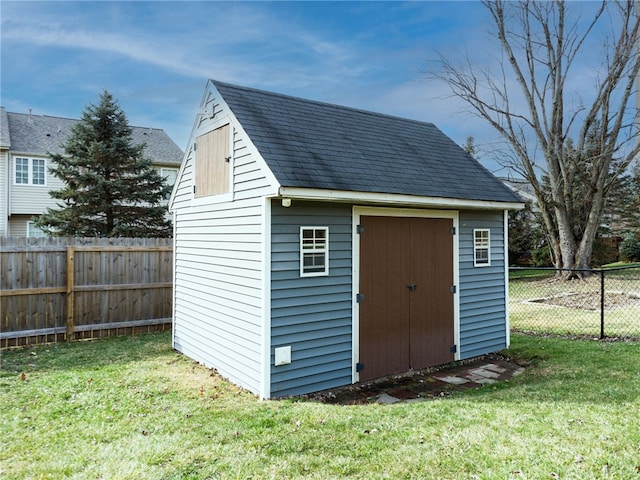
x=412, y=287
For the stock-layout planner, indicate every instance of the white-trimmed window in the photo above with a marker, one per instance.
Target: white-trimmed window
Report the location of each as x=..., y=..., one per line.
x=30, y=171
x=33, y=231
x=314, y=251
x=481, y=250
x=170, y=175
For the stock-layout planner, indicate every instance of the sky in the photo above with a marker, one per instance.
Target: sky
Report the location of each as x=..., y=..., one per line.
x=155, y=57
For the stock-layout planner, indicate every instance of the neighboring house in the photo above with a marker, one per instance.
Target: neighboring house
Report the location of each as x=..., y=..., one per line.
x=523, y=189
x=318, y=245
x=25, y=143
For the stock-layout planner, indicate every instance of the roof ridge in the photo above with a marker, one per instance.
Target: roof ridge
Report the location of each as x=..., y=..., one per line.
x=42, y=115
x=57, y=117
x=319, y=102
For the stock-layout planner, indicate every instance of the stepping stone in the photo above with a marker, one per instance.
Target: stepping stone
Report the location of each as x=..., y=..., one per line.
x=453, y=380
x=387, y=399
x=495, y=368
x=402, y=393
x=486, y=381
x=482, y=380
x=483, y=372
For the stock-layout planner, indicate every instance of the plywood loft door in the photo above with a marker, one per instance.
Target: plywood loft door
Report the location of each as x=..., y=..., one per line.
x=212, y=163
x=406, y=313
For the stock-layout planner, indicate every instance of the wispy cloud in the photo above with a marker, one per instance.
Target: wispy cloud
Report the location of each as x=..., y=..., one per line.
x=155, y=56
x=241, y=44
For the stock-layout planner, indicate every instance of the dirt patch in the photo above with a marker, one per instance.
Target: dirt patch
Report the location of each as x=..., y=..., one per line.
x=591, y=301
x=417, y=385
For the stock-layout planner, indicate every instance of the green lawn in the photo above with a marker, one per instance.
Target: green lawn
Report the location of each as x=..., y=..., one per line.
x=542, y=303
x=131, y=408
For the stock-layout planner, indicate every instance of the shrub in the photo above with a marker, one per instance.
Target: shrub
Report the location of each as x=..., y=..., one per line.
x=630, y=248
x=541, y=257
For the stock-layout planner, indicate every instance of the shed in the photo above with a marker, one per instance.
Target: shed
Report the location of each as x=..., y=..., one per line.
x=318, y=245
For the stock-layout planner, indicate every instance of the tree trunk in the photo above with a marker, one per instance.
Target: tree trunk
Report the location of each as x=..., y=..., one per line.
x=569, y=139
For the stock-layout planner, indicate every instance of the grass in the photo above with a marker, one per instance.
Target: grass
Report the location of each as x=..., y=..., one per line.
x=131, y=408
x=621, y=264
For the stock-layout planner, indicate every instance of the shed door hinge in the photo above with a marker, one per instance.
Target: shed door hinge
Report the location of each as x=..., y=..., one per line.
x=359, y=367
x=359, y=297
x=453, y=349
x=360, y=229
x=454, y=289
x=453, y=230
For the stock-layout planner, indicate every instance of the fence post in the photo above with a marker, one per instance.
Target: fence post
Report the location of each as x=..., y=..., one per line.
x=69, y=335
x=601, y=303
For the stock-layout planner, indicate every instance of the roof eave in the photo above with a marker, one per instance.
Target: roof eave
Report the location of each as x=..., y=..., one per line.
x=373, y=198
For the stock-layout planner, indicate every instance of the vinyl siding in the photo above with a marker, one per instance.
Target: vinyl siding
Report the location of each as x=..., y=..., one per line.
x=482, y=289
x=32, y=199
x=18, y=225
x=183, y=187
x=218, y=312
x=311, y=314
x=4, y=193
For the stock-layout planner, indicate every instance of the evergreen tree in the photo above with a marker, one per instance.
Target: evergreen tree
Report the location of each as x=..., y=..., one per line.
x=111, y=189
x=630, y=249
x=625, y=204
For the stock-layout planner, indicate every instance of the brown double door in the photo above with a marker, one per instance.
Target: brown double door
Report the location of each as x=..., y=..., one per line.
x=406, y=304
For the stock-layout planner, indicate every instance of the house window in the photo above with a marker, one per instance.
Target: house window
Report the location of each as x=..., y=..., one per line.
x=30, y=171
x=314, y=251
x=212, y=163
x=33, y=231
x=481, y=257
x=170, y=175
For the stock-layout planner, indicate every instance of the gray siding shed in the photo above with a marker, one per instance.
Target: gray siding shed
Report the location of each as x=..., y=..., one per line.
x=482, y=289
x=312, y=314
x=294, y=163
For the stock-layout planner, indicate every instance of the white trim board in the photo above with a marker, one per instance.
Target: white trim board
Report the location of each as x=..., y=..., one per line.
x=265, y=388
x=394, y=199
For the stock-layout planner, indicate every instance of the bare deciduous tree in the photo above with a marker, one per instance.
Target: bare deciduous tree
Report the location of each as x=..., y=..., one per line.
x=551, y=129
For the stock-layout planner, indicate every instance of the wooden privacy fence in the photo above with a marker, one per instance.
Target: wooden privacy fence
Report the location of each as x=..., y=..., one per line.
x=54, y=289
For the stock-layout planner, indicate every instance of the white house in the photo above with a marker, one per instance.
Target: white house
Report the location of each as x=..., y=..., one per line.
x=25, y=143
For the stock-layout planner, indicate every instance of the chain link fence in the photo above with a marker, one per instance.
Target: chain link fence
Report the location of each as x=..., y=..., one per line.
x=602, y=303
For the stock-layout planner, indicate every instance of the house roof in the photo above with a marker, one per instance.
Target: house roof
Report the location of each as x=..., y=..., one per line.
x=317, y=145
x=522, y=188
x=4, y=129
x=43, y=134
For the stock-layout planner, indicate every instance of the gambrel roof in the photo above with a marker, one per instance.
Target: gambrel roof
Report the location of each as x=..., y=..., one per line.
x=44, y=134
x=309, y=144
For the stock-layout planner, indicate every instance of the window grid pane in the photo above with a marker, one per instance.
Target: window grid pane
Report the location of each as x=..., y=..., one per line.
x=314, y=251
x=37, y=172
x=481, y=247
x=22, y=170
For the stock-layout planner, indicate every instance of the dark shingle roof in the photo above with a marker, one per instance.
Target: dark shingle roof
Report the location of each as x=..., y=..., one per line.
x=43, y=134
x=318, y=145
x=5, y=142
